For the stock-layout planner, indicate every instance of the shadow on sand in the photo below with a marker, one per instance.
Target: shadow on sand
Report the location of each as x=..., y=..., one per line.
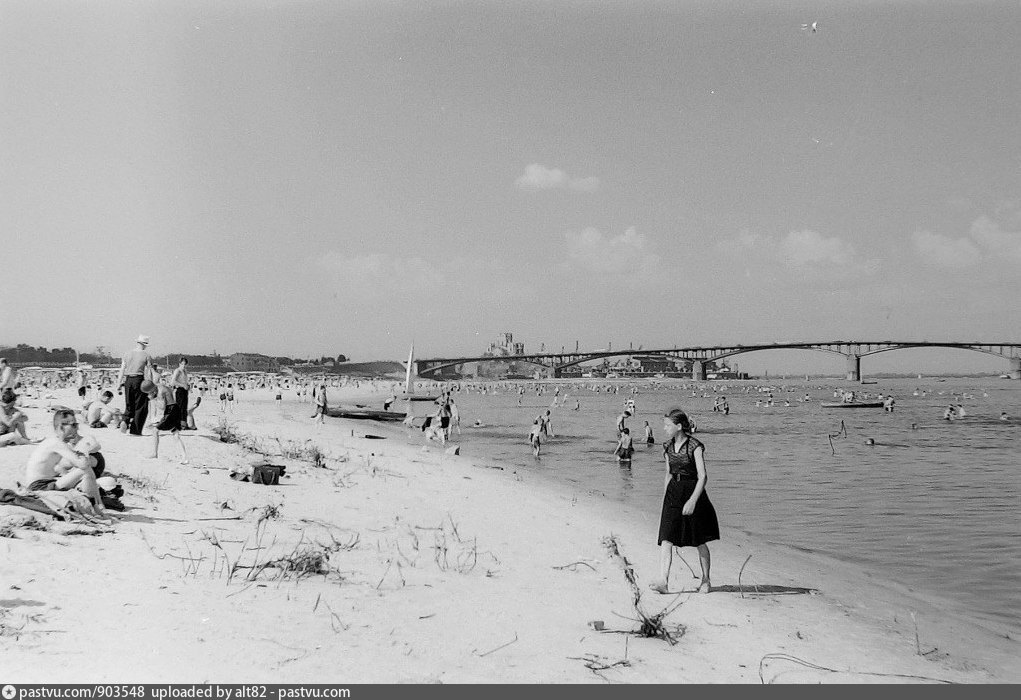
x=763, y=589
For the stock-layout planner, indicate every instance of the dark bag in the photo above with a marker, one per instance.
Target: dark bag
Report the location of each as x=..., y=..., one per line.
x=267, y=474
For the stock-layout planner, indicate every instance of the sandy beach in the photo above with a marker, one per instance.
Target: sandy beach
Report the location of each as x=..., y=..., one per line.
x=395, y=563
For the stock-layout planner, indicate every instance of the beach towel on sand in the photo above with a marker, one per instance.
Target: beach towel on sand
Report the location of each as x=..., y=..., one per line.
x=13, y=498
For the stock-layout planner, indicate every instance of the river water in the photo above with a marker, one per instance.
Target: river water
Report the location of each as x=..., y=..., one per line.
x=934, y=504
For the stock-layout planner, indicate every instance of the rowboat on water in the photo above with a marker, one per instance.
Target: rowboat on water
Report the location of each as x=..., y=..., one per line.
x=852, y=404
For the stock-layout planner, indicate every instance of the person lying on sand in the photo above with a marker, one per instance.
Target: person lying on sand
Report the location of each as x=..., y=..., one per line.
x=66, y=461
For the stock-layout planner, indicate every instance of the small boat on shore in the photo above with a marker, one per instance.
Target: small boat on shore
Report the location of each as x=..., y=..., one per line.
x=852, y=404
x=409, y=386
x=365, y=414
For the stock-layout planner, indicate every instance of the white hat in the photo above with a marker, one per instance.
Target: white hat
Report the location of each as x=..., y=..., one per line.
x=107, y=483
x=143, y=339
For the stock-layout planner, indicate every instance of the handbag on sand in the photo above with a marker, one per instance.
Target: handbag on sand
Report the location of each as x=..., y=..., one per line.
x=267, y=474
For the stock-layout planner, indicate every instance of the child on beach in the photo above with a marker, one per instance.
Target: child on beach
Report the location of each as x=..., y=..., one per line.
x=688, y=518
x=533, y=437
x=100, y=415
x=190, y=422
x=164, y=394
x=649, y=439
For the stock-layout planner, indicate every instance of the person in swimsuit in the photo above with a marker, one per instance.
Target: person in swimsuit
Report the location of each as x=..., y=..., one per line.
x=319, y=417
x=180, y=381
x=66, y=461
x=620, y=422
x=624, y=448
x=163, y=393
x=12, y=421
x=533, y=437
x=649, y=439
x=190, y=421
x=688, y=518
x=100, y=415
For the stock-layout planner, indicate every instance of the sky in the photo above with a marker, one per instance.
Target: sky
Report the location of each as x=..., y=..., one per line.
x=318, y=178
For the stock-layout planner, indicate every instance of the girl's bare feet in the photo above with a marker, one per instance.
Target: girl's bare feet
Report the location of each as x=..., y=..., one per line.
x=659, y=587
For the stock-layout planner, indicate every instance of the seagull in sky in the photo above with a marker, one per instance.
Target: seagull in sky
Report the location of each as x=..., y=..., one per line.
x=814, y=26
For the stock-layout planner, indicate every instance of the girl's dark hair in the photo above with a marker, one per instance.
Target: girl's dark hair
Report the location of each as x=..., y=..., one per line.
x=679, y=417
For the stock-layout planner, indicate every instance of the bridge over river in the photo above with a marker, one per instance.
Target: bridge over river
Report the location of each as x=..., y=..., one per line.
x=700, y=356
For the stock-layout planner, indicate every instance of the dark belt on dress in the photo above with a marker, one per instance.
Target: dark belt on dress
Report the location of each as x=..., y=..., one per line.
x=681, y=477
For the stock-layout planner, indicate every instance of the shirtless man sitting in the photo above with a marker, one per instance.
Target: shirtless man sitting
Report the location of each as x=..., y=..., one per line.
x=100, y=415
x=63, y=461
x=12, y=421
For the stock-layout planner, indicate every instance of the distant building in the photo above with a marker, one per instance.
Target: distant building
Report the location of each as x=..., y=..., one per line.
x=252, y=362
x=503, y=347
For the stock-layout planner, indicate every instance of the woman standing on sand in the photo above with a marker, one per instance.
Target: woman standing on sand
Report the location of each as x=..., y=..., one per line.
x=688, y=518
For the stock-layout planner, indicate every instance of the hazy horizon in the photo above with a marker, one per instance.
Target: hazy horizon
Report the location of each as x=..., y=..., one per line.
x=316, y=178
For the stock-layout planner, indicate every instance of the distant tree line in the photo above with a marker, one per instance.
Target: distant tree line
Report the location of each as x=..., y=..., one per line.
x=23, y=354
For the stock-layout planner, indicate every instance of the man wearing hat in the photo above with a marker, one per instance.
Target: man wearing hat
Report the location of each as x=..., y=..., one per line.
x=136, y=367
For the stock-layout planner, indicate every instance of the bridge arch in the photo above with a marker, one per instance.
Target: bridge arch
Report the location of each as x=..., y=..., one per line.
x=853, y=351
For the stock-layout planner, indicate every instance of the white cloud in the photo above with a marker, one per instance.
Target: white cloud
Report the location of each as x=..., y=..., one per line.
x=809, y=248
x=539, y=177
x=943, y=251
x=808, y=253
x=987, y=241
x=994, y=240
x=589, y=250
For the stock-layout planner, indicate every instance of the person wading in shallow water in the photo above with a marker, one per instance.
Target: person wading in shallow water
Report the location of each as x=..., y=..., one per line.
x=688, y=518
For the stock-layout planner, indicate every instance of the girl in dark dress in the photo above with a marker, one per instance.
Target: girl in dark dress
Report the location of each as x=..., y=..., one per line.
x=688, y=518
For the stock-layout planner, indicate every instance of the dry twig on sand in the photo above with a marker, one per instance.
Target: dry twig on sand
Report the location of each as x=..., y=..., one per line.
x=487, y=653
x=816, y=667
x=650, y=625
x=573, y=566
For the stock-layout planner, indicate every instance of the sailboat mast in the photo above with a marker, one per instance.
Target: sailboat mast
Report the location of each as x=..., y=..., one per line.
x=407, y=377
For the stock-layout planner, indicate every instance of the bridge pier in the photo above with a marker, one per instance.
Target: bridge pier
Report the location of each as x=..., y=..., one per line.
x=1015, y=368
x=698, y=371
x=853, y=368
